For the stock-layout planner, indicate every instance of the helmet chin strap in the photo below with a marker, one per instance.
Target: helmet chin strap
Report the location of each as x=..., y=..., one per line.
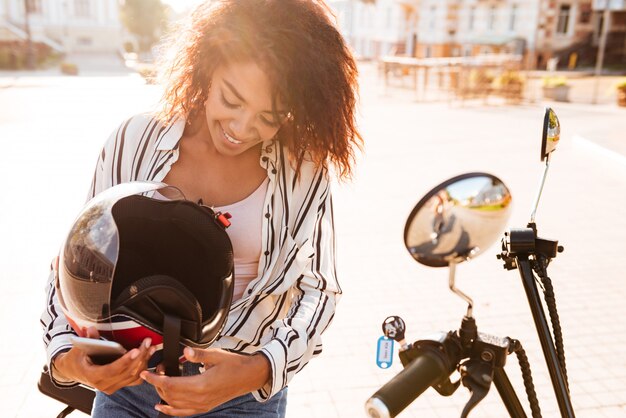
x=171, y=344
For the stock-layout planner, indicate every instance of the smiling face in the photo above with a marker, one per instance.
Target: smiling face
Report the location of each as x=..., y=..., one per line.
x=239, y=108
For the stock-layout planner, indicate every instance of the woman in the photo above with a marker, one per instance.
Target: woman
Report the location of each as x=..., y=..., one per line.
x=259, y=107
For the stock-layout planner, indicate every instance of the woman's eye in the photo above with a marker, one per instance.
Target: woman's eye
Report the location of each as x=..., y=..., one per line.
x=269, y=123
x=227, y=103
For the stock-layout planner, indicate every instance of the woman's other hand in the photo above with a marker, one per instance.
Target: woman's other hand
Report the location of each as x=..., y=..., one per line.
x=76, y=365
x=227, y=375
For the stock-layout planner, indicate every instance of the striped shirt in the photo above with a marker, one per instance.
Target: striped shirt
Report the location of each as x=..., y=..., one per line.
x=292, y=300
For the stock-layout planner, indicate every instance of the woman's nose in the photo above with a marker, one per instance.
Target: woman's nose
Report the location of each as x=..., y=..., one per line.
x=243, y=126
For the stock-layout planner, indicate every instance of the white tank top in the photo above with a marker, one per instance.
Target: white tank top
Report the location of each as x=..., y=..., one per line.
x=245, y=234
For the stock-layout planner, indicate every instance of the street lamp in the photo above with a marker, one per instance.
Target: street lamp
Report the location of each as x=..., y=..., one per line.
x=606, y=17
x=30, y=57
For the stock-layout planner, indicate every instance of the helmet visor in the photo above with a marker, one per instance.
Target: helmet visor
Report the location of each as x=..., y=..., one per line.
x=91, y=249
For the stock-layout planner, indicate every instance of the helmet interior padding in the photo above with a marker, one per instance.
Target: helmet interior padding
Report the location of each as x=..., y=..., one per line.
x=178, y=240
x=155, y=296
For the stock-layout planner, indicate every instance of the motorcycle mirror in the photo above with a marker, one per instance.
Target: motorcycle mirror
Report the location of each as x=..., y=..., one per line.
x=550, y=137
x=551, y=133
x=458, y=219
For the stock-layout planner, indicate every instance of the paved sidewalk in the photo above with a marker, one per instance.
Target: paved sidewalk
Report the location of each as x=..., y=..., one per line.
x=410, y=147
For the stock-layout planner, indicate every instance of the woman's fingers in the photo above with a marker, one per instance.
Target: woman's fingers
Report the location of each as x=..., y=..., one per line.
x=177, y=412
x=122, y=372
x=177, y=391
x=92, y=332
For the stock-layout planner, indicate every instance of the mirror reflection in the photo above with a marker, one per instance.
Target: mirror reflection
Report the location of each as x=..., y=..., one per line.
x=551, y=133
x=458, y=219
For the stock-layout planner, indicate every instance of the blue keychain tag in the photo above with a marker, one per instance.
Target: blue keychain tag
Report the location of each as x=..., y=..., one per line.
x=384, y=352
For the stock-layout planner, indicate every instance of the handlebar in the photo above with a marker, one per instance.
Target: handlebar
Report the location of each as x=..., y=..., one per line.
x=428, y=369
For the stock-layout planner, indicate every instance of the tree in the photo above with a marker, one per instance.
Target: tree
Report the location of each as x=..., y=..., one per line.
x=145, y=19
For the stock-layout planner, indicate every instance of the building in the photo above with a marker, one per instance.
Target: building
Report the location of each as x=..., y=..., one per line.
x=375, y=28
x=615, y=49
x=568, y=30
x=63, y=26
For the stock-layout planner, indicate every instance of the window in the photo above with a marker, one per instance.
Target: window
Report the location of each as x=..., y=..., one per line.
x=491, y=21
x=433, y=17
x=82, y=8
x=513, y=17
x=585, y=16
x=472, y=13
x=562, y=24
x=585, y=13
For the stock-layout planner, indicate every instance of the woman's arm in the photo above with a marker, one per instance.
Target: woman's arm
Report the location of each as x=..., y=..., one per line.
x=297, y=338
x=56, y=328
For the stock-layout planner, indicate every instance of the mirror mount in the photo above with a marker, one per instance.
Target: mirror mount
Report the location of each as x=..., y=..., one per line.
x=451, y=284
x=541, y=184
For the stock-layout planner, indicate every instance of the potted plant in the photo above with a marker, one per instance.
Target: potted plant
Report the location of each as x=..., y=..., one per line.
x=556, y=88
x=510, y=85
x=621, y=93
x=69, y=68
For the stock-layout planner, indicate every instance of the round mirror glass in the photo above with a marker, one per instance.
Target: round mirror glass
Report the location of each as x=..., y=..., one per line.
x=458, y=219
x=551, y=133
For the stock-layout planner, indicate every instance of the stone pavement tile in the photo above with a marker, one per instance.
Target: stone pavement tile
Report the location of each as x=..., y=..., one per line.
x=313, y=405
x=613, y=412
x=12, y=399
x=17, y=371
x=447, y=412
x=621, y=393
x=38, y=406
x=350, y=402
x=608, y=398
x=584, y=401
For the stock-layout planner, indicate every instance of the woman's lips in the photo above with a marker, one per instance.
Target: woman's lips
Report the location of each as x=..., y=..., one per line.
x=231, y=139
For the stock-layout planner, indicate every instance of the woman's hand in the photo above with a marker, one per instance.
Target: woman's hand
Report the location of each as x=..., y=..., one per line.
x=108, y=378
x=227, y=375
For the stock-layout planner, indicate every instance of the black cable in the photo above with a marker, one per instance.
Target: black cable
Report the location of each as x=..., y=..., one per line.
x=554, y=317
x=527, y=376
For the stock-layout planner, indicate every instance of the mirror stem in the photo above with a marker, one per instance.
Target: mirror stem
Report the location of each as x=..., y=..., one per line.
x=543, y=182
x=470, y=302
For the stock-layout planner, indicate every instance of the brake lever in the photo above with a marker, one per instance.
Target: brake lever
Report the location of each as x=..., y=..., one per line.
x=447, y=387
x=477, y=377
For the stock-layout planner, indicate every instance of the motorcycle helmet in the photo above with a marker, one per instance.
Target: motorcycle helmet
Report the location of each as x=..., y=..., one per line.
x=139, y=253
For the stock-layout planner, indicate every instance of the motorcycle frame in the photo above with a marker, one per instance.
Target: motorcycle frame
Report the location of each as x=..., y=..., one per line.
x=545, y=338
x=507, y=393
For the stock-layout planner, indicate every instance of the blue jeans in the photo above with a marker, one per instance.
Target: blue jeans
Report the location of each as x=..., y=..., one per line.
x=139, y=401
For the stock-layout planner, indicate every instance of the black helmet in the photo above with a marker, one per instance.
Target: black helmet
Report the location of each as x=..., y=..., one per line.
x=139, y=253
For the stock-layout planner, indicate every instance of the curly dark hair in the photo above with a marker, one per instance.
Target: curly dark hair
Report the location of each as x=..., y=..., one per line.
x=295, y=42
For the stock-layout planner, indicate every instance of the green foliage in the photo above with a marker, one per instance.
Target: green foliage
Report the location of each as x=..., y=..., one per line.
x=69, y=68
x=145, y=19
x=551, y=81
x=621, y=85
x=10, y=59
x=148, y=72
x=509, y=78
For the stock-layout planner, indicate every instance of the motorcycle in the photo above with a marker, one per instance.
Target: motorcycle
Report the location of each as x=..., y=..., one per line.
x=452, y=223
